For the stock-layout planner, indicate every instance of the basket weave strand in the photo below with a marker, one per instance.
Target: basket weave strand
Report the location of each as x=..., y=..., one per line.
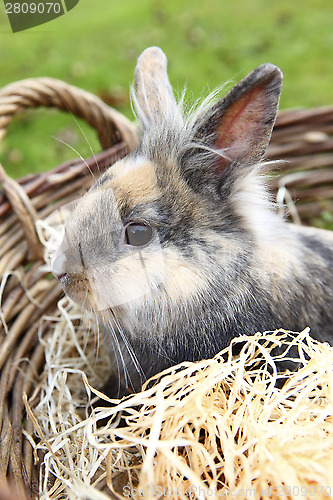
x=303, y=139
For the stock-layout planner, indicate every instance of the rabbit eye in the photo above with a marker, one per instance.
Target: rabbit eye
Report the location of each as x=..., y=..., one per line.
x=138, y=235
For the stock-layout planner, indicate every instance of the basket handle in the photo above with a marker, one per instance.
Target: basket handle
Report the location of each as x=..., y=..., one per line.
x=112, y=126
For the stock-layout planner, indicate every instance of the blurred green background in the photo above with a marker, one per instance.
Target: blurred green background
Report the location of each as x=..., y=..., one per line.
x=95, y=46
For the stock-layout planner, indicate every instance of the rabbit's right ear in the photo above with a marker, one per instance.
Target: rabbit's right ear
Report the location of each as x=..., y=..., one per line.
x=240, y=125
x=153, y=93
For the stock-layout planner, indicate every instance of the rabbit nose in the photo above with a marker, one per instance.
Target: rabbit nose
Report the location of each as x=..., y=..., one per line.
x=58, y=266
x=59, y=275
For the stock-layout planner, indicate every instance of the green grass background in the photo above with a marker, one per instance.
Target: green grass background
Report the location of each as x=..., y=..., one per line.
x=95, y=46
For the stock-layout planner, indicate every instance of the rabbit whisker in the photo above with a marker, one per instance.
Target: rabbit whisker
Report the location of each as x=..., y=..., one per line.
x=77, y=153
x=131, y=353
x=89, y=145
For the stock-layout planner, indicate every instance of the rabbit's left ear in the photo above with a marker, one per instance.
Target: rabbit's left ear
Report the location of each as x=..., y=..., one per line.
x=241, y=123
x=153, y=92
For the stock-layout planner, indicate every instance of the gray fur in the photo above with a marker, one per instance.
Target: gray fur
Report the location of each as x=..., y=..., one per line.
x=222, y=262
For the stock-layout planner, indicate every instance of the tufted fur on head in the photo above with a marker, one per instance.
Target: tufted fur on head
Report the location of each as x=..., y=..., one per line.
x=214, y=259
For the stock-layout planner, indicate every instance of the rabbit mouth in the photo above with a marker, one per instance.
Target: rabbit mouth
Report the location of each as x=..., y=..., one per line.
x=76, y=287
x=96, y=295
x=81, y=289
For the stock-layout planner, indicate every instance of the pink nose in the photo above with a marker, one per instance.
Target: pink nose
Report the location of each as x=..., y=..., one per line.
x=58, y=266
x=59, y=275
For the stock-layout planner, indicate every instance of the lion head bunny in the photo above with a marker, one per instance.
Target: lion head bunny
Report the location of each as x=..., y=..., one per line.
x=178, y=248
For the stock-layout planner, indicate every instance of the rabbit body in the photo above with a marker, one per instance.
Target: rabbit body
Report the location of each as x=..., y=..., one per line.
x=178, y=248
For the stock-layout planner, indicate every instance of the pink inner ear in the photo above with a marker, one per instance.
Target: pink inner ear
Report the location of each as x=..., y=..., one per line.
x=243, y=126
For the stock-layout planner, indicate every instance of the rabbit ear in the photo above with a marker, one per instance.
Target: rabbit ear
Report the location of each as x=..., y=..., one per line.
x=153, y=90
x=241, y=123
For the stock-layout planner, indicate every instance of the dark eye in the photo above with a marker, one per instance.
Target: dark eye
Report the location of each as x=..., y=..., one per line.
x=138, y=235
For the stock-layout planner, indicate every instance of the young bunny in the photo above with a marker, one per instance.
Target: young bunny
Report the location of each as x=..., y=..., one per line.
x=177, y=246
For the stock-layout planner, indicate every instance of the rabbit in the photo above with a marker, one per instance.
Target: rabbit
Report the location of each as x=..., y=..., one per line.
x=178, y=247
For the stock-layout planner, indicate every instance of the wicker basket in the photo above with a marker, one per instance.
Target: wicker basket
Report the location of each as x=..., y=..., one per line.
x=303, y=138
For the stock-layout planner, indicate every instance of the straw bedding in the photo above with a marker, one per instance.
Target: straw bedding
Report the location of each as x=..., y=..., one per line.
x=210, y=429
x=225, y=427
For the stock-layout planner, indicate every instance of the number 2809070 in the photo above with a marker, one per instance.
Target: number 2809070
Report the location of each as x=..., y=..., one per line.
x=33, y=8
